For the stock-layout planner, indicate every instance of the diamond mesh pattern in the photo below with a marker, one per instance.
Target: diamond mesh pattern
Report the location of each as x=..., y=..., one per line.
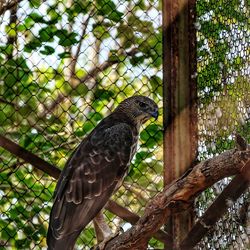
x=223, y=37
x=64, y=65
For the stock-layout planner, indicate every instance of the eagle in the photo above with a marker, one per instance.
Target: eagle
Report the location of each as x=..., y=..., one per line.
x=95, y=170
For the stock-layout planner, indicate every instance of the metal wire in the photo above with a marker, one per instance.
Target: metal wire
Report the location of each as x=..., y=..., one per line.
x=224, y=88
x=64, y=65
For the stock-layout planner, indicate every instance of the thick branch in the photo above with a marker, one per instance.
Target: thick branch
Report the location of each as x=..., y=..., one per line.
x=29, y=157
x=179, y=195
x=132, y=218
x=228, y=196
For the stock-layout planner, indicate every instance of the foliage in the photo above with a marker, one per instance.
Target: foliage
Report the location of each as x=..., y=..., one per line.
x=49, y=103
x=65, y=64
x=223, y=90
x=222, y=73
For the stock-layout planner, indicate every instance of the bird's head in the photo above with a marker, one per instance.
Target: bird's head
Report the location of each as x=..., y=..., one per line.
x=139, y=108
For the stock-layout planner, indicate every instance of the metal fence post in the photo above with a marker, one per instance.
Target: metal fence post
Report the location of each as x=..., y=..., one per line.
x=180, y=100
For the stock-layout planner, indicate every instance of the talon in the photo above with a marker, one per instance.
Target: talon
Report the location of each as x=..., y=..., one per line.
x=101, y=246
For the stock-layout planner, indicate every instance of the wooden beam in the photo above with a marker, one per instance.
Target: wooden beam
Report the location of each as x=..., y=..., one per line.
x=180, y=100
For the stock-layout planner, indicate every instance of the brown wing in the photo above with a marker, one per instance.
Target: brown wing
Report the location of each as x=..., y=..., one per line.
x=89, y=178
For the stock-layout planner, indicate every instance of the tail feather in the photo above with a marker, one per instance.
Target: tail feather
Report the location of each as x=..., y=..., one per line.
x=65, y=243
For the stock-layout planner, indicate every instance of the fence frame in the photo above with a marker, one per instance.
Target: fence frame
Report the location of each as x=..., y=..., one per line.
x=180, y=101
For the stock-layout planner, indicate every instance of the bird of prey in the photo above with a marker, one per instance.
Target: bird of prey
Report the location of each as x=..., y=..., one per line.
x=95, y=170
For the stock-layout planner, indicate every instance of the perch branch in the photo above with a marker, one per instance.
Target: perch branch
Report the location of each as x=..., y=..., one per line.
x=132, y=218
x=228, y=196
x=27, y=156
x=179, y=195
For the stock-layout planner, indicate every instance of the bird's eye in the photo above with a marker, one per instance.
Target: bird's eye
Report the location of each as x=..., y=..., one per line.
x=142, y=104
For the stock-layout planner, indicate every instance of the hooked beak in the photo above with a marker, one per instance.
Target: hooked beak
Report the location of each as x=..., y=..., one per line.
x=155, y=114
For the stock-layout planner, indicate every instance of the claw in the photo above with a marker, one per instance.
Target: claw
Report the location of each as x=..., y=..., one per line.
x=102, y=245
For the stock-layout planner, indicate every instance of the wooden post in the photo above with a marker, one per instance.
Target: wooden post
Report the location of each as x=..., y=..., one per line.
x=180, y=101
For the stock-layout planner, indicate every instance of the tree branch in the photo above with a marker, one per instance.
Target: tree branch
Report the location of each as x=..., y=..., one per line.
x=132, y=218
x=228, y=196
x=78, y=50
x=29, y=157
x=8, y=5
x=179, y=195
x=174, y=198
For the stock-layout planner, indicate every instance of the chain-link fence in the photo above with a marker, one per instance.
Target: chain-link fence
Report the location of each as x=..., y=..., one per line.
x=64, y=65
x=223, y=35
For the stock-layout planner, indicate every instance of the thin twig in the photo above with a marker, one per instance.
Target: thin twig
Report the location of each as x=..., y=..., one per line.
x=92, y=74
x=75, y=57
x=8, y=6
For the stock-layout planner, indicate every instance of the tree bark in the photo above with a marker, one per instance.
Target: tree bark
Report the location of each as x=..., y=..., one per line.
x=224, y=201
x=178, y=196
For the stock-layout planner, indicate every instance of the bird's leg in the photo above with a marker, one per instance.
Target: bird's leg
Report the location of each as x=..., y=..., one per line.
x=103, y=232
x=102, y=229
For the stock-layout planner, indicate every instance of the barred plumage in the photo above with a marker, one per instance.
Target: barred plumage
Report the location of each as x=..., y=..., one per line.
x=95, y=170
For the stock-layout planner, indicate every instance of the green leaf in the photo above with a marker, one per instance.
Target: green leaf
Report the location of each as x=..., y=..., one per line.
x=80, y=90
x=115, y=16
x=100, y=32
x=108, y=8
x=48, y=50
x=11, y=30
x=35, y=3
x=137, y=60
x=29, y=22
x=66, y=38
x=156, y=84
x=37, y=17
x=32, y=45
x=64, y=55
x=87, y=126
x=10, y=80
x=46, y=34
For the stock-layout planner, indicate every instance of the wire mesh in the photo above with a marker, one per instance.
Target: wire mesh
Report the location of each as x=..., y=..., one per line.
x=223, y=71
x=64, y=65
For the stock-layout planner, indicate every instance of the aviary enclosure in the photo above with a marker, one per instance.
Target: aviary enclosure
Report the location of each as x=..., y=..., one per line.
x=64, y=65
